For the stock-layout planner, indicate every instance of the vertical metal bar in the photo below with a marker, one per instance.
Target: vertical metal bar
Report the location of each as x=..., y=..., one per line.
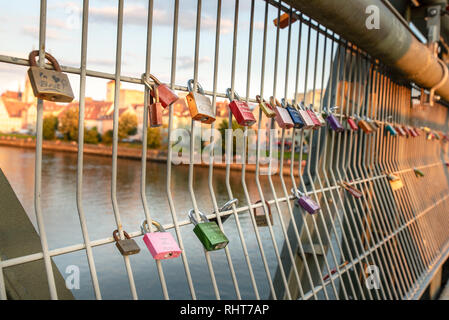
x=228, y=185
x=315, y=226
x=118, y=64
x=143, y=171
x=38, y=160
x=169, y=155
x=243, y=180
x=211, y=159
x=79, y=169
x=192, y=146
x=262, y=198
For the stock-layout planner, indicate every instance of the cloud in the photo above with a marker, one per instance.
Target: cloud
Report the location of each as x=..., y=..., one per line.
x=187, y=62
x=33, y=31
x=136, y=14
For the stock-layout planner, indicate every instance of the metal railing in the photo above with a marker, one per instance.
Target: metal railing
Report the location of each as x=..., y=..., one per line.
x=322, y=256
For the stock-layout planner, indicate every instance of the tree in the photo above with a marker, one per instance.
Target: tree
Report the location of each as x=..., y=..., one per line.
x=153, y=138
x=69, y=125
x=127, y=125
x=107, y=137
x=91, y=136
x=222, y=128
x=50, y=125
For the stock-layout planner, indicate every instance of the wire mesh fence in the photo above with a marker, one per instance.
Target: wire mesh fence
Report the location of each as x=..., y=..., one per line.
x=377, y=171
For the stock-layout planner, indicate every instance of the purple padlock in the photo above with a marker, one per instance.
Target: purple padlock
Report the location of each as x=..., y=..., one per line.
x=334, y=123
x=306, y=203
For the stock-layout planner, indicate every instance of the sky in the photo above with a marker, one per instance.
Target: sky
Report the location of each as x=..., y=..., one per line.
x=20, y=28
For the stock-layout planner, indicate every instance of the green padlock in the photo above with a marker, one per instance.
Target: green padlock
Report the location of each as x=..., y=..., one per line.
x=418, y=173
x=208, y=232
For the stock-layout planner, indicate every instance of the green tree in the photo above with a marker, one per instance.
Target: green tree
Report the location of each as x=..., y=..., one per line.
x=153, y=138
x=106, y=138
x=91, y=136
x=69, y=125
x=127, y=125
x=50, y=125
x=222, y=128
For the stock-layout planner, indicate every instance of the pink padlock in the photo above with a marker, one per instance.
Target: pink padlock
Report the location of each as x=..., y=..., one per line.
x=161, y=244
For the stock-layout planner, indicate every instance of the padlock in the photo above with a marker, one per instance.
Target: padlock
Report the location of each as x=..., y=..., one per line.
x=352, y=124
x=200, y=106
x=352, y=190
x=417, y=130
x=311, y=113
x=334, y=123
x=209, y=233
x=294, y=114
x=126, y=246
x=306, y=202
x=160, y=244
x=412, y=132
x=308, y=122
x=265, y=107
x=319, y=116
x=240, y=109
x=227, y=206
x=405, y=129
x=166, y=95
x=282, y=116
x=155, y=111
x=400, y=131
x=52, y=85
x=437, y=136
x=418, y=173
x=284, y=20
x=260, y=217
x=391, y=130
x=364, y=125
x=373, y=123
x=395, y=182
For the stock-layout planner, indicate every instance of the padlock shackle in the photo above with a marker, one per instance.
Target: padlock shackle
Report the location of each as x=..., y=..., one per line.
x=198, y=86
x=156, y=80
x=258, y=99
x=266, y=204
x=275, y=102
x=228, y=205
x=228, y=95
x=32, y=60
x=115, y=234
x=283, y=102
x=297, y=192
x=146, y=229
x=193, y=219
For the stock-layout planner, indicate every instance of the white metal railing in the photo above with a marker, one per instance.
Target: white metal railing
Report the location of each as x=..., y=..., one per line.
x=404, y=232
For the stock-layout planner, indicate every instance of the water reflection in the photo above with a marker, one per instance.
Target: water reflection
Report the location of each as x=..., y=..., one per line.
x=63, y=228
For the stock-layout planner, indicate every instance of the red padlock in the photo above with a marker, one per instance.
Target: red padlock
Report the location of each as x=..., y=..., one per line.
x=352, y=124
x=166, y=95
x=155, y=109
x=282, y=116
x=312, y=115
x=240, y=110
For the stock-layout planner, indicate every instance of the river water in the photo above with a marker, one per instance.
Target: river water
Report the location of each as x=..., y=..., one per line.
x=63, y=227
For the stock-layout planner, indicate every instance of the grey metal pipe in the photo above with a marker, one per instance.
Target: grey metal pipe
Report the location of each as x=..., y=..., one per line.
x=392, y=43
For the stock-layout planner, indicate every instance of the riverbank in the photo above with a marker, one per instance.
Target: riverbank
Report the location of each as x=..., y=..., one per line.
x=122, y=152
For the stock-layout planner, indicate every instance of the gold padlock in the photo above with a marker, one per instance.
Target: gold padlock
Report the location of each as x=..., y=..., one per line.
x=50, y=85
